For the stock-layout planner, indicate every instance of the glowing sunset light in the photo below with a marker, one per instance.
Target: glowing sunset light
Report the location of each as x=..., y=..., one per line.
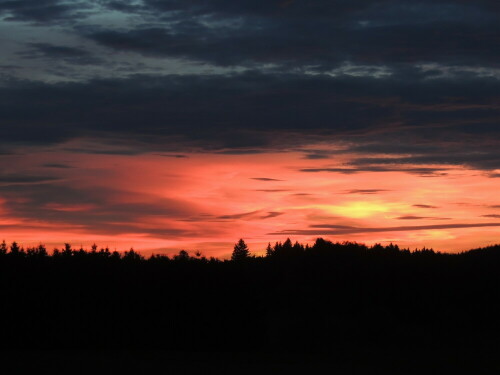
x=69, y=208
x=364, y=209
x=204, y=201
x=167, y=125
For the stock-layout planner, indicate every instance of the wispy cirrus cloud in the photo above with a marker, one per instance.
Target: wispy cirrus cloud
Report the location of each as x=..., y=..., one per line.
x=414, y=217
x=424, y=206
x=365, y=191
x=494, y=216
x=426, y=171
x=326, y=229
x=265, y=179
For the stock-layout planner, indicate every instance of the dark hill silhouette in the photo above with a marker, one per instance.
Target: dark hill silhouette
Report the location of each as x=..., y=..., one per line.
x=345, y=300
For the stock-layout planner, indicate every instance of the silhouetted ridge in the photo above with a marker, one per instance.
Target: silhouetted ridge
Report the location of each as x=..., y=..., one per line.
x=280, y=250
x=489, y=250
x=342, y=299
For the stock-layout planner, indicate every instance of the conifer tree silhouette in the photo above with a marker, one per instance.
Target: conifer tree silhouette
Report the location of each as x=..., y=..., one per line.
x=269, y=250
x=182, y=256
x=3, y=248
x=240, y=251
x=15, y=249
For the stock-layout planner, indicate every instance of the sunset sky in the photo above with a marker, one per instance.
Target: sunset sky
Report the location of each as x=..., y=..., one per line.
x=166, y=124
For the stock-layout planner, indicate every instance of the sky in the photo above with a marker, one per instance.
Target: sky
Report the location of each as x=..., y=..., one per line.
x=165, y=124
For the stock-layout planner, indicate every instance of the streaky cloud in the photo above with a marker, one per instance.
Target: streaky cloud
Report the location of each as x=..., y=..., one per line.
x=365, y=191
x=424, y=206
x=412, y=217
x=267, y=179
x=326, y=229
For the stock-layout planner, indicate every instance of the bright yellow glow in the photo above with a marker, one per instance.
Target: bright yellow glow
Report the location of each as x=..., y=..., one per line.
x=363, y=209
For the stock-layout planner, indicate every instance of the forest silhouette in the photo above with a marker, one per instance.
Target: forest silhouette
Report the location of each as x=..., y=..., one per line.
x=344, y=299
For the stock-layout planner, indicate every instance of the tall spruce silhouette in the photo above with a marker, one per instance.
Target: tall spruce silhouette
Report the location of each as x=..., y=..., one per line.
x=240, y=251
x=269, y=250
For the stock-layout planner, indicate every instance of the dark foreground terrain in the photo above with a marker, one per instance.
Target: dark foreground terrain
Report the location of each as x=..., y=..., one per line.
x=343, y=307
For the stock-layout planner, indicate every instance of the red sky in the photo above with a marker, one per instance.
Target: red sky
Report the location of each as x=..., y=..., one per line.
x=162, y=203
x=168, y=125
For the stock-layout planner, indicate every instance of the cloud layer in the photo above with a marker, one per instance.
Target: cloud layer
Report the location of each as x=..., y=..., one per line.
x=391, y=77
x=323, y=100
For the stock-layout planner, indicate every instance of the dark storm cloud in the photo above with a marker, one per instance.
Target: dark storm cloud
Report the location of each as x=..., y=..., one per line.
x=326, y=229
x=123, y=6
x=401, y=78
x=254, y=111
x=41, y=11
x=332, y=9
x=321, y=48
x=319, y=35
x=59, y=53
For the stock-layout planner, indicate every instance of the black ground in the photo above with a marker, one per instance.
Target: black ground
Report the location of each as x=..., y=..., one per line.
x=342, y=307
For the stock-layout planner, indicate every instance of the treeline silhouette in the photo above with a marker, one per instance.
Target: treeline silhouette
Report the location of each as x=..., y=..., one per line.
x=346, y=298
